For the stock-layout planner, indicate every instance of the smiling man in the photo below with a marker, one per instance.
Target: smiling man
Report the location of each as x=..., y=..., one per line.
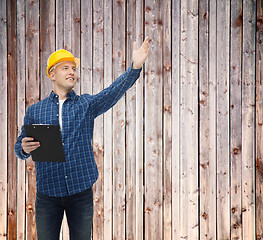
x=67, y=187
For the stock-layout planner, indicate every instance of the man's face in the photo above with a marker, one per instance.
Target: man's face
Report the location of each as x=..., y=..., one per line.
x=64, y=76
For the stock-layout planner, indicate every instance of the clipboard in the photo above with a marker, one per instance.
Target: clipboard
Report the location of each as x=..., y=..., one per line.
x=49, y=136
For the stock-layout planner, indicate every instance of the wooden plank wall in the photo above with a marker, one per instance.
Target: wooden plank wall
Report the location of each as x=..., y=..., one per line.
x=180, y=155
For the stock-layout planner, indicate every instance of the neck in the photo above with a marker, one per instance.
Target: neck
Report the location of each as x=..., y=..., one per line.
x=62, y=94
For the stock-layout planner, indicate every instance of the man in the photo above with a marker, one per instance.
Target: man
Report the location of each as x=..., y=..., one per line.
x=67, y=186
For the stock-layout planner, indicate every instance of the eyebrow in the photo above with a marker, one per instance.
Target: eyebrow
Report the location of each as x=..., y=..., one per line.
x=68, y=66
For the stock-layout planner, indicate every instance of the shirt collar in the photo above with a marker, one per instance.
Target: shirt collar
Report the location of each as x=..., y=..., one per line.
x=71, y=95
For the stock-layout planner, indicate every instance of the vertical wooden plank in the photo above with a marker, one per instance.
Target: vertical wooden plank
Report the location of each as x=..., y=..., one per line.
x=153, y=124
x=67, y=4
x=32, y=96
x=207, y=137
x=139, y=211
x=108, y=151
x=189, y=120
x=259, y=123
x=12, y=118
x=59, y=15
x=223, y=197
x=98, y=145
x=130, y=222
x=248, y=119
x=3, y=121
x=167, y=120
x=21, y=83
x=119, y=123
x=176, y=36
x=86, y=47
x=235, y=119
x=47, y=43
x=75, y=39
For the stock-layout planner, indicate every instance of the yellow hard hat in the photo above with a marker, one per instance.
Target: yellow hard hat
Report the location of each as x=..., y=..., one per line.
x=61, y=55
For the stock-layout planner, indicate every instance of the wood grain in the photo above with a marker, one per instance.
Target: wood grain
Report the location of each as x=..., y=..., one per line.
x=12, y=118
x=3, y=121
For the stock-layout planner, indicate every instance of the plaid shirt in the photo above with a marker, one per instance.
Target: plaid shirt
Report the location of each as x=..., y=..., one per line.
x=79, y=172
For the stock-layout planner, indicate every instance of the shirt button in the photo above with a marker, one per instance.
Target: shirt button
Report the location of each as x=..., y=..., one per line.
x=57, y=115
x=57, y=103
x=66, y=177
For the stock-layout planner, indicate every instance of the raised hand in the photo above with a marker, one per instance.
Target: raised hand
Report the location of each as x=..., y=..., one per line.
x=140, y=55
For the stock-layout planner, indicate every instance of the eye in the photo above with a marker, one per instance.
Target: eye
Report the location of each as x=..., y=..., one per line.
x=65, y=68
x=74, y=69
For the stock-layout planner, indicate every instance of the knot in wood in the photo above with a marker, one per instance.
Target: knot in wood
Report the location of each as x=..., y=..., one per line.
x=205, y=15
x=260, y=23
x=10, y=213
x=147, y=210
x=122, y=123
x=204, y=215
x=29, y=207
x=168, y=109
x=235, y=151
x=29, y=167
x=202, y=102
x=233, y=210
x=148, y=9
x=258, y=237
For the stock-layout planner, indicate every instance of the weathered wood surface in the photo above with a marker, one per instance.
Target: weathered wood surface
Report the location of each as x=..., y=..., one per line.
x=167, y=120
x=130, y=122
x=236, y=119
x=12, y=118
x=176, y=83
x=108, y=141
x=32, y=96
x=21, y=81
x=223, y=129
x=259, y=122
x=153, y=124
x=98, y=141
x=3, y=121
x=189, y=117
x=139, y=181
x=118, y=122
x=207, y=103
x=180, y=156
x=248, y=120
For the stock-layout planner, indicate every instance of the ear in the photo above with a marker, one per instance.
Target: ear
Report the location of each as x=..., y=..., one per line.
x=52, y=76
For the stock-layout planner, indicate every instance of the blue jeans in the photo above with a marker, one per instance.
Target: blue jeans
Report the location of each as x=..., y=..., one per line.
x=79, y=213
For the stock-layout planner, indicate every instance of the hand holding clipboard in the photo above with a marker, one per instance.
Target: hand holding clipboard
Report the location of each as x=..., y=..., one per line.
x=51, y=147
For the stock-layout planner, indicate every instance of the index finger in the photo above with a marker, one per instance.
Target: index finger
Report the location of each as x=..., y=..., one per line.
x=28, y=139
x=146, y=42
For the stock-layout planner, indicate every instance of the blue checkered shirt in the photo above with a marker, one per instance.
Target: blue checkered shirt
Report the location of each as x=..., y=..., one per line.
x=79, y=172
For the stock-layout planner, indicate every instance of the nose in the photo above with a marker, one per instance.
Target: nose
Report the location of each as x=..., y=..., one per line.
x=71, y=71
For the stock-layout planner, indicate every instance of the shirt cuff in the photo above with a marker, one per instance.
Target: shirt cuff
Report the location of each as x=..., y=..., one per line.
x=24, y=155
x=137, y=70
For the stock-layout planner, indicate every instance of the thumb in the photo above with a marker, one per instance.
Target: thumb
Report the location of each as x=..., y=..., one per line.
x=134, y=45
